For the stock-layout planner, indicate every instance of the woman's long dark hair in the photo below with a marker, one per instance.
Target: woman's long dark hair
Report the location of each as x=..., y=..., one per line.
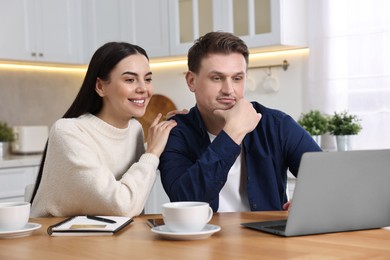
x=87, y=100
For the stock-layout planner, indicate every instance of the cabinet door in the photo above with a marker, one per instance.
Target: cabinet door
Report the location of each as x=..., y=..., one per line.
x=13, y=182
x=17, y=30
x=59, y=33
x=267, y=24
x=102, y=22
x=263, y=24
x=190, y=19
x=41, y=30
x=144, y=23
x=257, y=22
x=149, y=20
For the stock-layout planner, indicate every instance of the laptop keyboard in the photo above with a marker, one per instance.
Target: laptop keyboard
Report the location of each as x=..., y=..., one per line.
x=278, y=227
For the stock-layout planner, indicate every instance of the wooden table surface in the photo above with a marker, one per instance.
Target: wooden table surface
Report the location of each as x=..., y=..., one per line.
x=233, y=242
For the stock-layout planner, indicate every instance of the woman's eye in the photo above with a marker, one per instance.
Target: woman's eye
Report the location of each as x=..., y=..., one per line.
x=149, y=80
x=130, y=80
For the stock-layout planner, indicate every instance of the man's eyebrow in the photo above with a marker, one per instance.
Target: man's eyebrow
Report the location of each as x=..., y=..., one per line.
x=135, y=74
x=216, y=72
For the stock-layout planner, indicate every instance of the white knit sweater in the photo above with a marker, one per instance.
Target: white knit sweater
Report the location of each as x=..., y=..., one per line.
x=94, y=168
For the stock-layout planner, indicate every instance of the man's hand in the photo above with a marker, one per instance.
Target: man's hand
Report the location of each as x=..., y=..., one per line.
x=287, y=205
x=241, y=119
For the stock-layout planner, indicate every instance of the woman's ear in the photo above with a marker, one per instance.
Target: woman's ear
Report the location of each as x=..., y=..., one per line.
x=99, y=87
x=190, y=78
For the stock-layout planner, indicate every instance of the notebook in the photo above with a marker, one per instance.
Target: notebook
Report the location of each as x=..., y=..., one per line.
x=337, y=191
x=89, y=226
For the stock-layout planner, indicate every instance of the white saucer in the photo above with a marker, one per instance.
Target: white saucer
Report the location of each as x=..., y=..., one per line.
x=206, y=232
x=24, y=232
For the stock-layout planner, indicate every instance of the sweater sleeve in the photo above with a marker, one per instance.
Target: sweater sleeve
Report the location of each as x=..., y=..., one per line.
x=77, y=179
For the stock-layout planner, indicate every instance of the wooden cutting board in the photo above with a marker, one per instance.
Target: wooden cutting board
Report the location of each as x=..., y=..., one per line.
x=157, y=104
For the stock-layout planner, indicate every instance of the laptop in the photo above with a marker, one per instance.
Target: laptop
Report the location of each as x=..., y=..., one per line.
x=337, y=191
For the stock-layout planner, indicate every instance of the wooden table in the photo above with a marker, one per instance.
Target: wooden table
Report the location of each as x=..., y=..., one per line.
x=232, y=242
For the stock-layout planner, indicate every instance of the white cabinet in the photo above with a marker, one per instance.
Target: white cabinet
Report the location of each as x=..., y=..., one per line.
x=41, y=30
x=68, y=31
x=144, y=23
x=150, y=26
x=14, y=180
x=189, y=19
x=169, y=27
x=262, y=24
x=272, y=24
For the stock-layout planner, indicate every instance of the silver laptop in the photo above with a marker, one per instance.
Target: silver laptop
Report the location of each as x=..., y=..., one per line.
x=337, y=191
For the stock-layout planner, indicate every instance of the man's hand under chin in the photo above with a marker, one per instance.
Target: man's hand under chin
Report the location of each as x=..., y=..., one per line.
x=241, y=119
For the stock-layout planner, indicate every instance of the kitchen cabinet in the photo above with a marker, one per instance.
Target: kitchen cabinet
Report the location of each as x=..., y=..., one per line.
x=267, y=25
x=190, y=19
x=41, y=30
x=14, y=180
x=169, y=27
x=262, y=24
x=17, y=172
x=66, y=31
x=144, y=23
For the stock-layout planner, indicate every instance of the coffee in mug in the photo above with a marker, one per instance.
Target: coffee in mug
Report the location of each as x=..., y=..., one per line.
x=186, y=216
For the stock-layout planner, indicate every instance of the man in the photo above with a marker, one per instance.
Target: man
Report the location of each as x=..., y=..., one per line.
x=227, y=151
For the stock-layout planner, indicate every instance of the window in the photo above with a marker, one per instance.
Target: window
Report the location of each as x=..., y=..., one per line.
x=349, y=68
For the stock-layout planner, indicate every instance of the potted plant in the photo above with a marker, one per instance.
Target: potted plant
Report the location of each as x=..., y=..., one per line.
x=6, y=137
x=344, y=125
x=315, y=123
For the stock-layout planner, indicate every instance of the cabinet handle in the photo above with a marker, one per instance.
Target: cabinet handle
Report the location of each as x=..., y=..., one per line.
x=40, y=54
x=33, y=54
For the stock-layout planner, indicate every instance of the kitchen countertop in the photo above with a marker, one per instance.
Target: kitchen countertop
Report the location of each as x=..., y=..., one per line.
x=14, y=160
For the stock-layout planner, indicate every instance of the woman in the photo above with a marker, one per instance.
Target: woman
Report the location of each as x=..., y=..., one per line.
x=95, y=160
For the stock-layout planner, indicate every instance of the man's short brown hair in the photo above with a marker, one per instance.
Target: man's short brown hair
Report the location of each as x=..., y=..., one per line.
x=215, y=42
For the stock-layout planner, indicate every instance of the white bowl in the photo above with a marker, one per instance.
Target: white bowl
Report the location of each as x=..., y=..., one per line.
x=14, y=215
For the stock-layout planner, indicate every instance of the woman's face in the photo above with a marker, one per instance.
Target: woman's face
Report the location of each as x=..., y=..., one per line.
x=127, y=92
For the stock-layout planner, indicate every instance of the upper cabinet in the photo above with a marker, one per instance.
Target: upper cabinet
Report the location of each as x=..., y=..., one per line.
x=190, y=19
x=69, y=31
x=262, y=24
x=41, y=30
x=144, y=23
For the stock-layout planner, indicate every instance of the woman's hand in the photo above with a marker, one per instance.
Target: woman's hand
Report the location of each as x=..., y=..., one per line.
x=158, y=135
x=175, y=112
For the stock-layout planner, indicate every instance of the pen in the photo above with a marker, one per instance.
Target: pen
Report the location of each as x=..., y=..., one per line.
x=101, y=219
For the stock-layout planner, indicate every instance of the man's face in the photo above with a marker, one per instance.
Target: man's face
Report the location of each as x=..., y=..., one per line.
x=220, y=82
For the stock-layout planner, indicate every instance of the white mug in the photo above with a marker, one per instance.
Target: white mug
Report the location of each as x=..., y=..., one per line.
x=186, y=216
x=14, y=215
x=270, y=84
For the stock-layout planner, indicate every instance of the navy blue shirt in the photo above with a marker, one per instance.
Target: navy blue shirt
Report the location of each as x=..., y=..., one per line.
x=193, y=169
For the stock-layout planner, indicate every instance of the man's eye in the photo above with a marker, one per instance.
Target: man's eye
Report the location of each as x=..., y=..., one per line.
x=149, y=80
x=130, y=80
x=238, y=78
x=216, y=78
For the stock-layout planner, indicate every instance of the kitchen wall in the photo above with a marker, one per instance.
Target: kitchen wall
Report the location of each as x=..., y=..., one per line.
x=36, y=97
x=39, y=97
